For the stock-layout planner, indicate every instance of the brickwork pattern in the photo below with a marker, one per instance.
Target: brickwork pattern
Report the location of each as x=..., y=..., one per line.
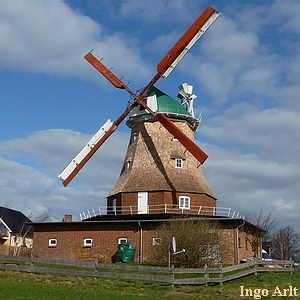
x=159, y=198
x=70, y=237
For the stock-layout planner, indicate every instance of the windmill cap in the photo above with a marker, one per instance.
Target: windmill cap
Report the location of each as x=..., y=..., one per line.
x=167, y=104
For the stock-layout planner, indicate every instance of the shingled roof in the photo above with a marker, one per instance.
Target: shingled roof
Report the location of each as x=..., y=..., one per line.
x=152, y=163
x=14, y=219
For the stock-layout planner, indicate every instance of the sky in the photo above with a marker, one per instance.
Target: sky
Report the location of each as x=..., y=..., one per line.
x=245, y=71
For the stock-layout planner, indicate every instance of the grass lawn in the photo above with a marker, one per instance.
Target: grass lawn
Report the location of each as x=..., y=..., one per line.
x=17, y=285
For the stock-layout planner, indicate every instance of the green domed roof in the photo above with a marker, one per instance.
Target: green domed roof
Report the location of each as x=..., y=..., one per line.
x=163, y=104
x=167, y=104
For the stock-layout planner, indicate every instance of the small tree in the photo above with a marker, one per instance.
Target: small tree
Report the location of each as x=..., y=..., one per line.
x=200, y=239
x=26, y=230
x=286, y=243
x=43, y=217
x=266, y=224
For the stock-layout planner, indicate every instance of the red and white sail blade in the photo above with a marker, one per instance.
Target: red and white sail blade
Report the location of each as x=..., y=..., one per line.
x=72, y=169
x=86, y=152
x=104, y=70
x=186, y=42
x=192, y=147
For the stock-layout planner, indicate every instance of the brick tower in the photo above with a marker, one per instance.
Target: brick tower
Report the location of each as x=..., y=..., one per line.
x=159, y=175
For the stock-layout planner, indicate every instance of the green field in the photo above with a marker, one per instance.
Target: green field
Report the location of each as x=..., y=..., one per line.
x=17, y=285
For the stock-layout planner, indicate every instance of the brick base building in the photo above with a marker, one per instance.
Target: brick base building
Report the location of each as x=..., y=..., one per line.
x=98, y=240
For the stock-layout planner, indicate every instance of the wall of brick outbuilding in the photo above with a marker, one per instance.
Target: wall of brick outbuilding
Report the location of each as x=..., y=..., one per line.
x=70, y=240
x=105, y=237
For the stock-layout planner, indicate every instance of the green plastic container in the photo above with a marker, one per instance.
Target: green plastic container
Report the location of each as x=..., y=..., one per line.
x=126, y=252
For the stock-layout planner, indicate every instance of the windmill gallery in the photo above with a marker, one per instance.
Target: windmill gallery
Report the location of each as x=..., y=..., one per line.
x=161, y=178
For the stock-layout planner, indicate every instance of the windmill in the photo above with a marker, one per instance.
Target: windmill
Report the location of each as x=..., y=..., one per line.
x=144, y=106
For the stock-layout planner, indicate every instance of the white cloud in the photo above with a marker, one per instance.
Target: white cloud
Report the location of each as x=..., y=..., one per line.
x=254, y=144
x=158, y=11
x=231, y=61
x=270, y=132
x=286, y=15
x=50, y=37
x=250, y=183
x=163, y=43
x=239, y=58
x=245, y=182
x=29, y=169
x=24, y=188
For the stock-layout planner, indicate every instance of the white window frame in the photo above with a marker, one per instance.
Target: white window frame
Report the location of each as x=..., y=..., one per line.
x=184, y=202
x=127, y=165
x=50, y=243
x=178, y=163
x=123, y=238
x=156, y=241
x=86, y=243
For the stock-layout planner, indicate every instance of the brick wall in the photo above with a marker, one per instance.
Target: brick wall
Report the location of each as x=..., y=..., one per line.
x=70, y=240
x=70, y=237
x=160, y=198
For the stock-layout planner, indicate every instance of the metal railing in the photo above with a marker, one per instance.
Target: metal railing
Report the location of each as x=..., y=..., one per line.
x=161, y=209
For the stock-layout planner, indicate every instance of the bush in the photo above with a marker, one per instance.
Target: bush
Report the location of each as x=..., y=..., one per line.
x=200, y=239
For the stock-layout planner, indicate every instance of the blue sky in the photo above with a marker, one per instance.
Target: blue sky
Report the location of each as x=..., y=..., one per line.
x=245, y=72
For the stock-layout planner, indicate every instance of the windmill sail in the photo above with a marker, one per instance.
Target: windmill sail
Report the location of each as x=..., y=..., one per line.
x=164, y=68
x=187, y=41
x=85, y=153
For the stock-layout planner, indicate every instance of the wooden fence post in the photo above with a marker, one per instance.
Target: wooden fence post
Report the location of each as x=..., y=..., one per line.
x=172, y=276
x=96, y=265
x=291, y=267
x=221, y=275
x=255, y=268
x=206, y=275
